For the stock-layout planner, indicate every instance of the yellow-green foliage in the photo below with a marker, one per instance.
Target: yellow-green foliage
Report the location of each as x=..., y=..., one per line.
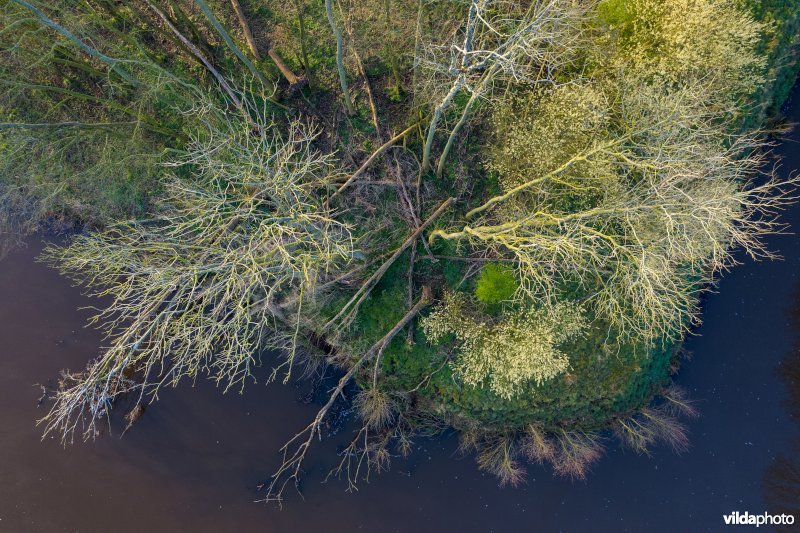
x=680, y=40
x=496, y=283
x=507, y=355
x=537, y=131
x=635, y=214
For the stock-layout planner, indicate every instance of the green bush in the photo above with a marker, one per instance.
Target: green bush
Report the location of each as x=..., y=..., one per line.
x=496, y=284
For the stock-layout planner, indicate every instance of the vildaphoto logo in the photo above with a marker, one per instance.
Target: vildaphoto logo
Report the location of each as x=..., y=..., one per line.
x=746, y=519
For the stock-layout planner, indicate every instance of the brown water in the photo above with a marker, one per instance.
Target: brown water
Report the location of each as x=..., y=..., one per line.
x=193, y=462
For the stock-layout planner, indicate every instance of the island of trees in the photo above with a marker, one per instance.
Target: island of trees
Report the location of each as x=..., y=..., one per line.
x=497, y=216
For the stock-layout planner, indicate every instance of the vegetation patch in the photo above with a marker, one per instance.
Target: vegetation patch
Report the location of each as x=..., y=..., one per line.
x=492, y=215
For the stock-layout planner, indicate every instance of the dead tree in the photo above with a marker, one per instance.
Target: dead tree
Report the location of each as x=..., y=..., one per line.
x=289, y=471
x=501, y=40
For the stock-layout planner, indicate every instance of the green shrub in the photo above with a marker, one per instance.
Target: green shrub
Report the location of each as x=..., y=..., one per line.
x=496, y=284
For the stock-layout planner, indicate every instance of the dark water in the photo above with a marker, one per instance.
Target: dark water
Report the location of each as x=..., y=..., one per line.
x=193, y=462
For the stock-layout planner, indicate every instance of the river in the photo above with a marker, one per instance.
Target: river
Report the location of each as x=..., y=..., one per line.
x=194, y=460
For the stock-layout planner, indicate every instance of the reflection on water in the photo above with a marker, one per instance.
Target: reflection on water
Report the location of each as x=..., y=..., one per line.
x=782, y=483
x=782, y=477
x=789, y=370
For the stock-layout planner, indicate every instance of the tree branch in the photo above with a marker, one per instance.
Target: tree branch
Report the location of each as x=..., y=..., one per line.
x=292, y=463
x=388, y=144
x=352, y=305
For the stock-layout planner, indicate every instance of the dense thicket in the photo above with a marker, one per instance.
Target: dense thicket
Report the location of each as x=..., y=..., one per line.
x=493, y=215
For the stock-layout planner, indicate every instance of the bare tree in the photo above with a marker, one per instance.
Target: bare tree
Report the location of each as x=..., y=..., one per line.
x=664, y=206
x=501, y=40
x=196, y=288
x=295, y=450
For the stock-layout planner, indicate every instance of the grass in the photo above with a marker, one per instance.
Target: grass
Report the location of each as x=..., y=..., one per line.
x=601, y=384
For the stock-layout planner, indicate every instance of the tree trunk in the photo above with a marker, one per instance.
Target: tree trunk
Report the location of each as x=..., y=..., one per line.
x=248, y=35
x=229, y=42
x=348, y=103
x=301, y=22
x=463, y=120
x=285, y=70
x=114, y=64
x=437, y=116
x=387, y=9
